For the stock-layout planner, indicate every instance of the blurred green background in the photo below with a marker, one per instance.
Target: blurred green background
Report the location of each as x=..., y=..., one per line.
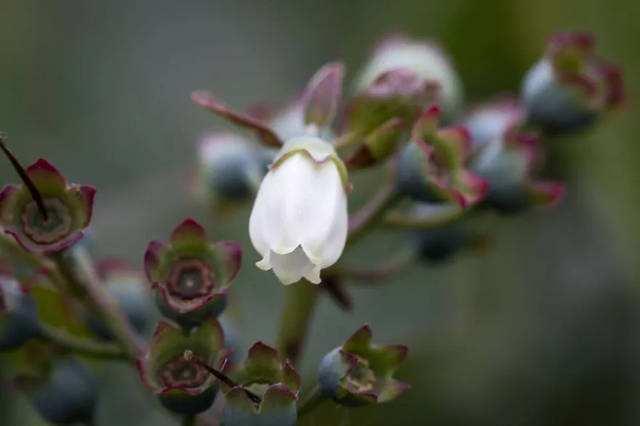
x=542, y=329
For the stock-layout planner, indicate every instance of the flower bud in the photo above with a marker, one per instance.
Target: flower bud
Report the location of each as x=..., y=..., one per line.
x=360, y=373
x=492, y=120
x=18, y=315
x=266, y=391
x=230, y=169
x=68, y=210
x=69, y=396
x=380, y=144
x=182, y=383
x=570, y=86
x=425, y=60
x=127, y=287
x=507, y=158
x=434, y=166
x=299, y=219
x=394, y=94
x=509, y=165
x=191, y=276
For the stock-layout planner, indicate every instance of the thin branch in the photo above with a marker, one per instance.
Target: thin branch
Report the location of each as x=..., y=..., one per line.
x=189, y=420
x=299, y=304
x=372, y=275
x=80, y=345
x=311, y=402
x=375, y=208
x=34, y=261
x=76, y=265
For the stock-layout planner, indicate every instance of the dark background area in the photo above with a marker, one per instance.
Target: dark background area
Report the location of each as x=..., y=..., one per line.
x=540, y=329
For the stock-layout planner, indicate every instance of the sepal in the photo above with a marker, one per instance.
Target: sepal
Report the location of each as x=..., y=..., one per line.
x=379, y=145
x=570, y=87
x=395, y=94
x=274, y=381
x=361, y=373
x=426, y=60
x=191, y=276
x=322, y=96
x=183, y=384
x=434, y=167
x=265, y=134
x=68, y=207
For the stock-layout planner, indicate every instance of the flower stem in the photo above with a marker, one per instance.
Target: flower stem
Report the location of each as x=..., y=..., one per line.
x=76, y=266
x=378, y=274
x=189, y=420
x=373, y=210
x=299, y=304
x=80, y=345
x=314, y=399
x=17, y=254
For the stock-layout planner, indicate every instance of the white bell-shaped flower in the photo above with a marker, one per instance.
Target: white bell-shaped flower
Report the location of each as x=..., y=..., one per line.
x=299, y=220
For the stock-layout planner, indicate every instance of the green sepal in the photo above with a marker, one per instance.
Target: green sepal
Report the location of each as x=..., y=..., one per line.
x=170, y=342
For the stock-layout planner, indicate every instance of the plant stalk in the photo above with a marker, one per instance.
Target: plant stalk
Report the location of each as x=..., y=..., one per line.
x=314, y=399
x=77, y=267
x=374, y=209
x=81, y=345
x=189, y=420
x=299, y=305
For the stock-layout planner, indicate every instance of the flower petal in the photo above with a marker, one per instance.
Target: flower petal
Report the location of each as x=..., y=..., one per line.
x=292, y=267
x=313, y=200
x=325, y=250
